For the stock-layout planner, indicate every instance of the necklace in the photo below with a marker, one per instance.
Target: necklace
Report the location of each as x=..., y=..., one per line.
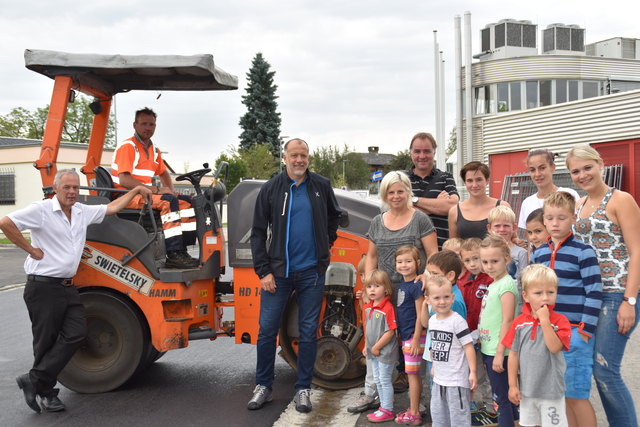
x=595, y=202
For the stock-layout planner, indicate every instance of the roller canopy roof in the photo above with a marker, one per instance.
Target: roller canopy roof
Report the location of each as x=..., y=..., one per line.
x=113, y=74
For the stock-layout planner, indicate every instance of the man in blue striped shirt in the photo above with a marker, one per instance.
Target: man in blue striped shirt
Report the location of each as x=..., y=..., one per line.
x=579, y=299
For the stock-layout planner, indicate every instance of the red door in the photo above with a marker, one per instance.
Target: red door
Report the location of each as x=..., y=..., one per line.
x=624, y=153
x=503, y=164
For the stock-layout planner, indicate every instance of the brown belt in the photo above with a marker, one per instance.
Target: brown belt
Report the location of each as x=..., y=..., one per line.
x=48, y=279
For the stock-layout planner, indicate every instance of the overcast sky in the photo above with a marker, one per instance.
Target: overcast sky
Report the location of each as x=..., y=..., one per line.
x=354, y=72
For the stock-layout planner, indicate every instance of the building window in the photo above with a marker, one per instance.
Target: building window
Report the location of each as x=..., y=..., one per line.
x=532, y=94
x=516, y=96
x=589, y=89
x=561, y=91
x=7, y=187
x=503, y=97
x=483, y=99
x=545, y=92
x=573, y=90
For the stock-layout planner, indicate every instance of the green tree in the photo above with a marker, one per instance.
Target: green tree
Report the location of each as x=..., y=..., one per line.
x=23, y=123
x=324, y=161
x=401, y=162
x=343, y=168
x=259, y=161
x=452, y=144
x=357, y=171
x=237, y=167
x=261, y=123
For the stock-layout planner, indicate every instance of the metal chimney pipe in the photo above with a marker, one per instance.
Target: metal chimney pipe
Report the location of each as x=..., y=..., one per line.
x=444, y=141
x=436, y=87
x=458, y=61
x=468, y=88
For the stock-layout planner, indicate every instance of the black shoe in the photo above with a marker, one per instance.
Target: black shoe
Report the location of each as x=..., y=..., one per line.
x=25, y=384
x=175, y=259
x=52, y=403
x=186, y=255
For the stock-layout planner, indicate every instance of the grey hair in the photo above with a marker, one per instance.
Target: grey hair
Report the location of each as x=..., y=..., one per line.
x=286, y=145
x=62, y=172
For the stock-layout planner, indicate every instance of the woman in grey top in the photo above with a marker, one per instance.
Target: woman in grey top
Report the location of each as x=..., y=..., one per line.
x=401, y=225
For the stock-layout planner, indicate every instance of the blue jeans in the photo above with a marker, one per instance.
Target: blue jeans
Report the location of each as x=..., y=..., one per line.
x=579, y=360
x=309, y=287
x=610, y=345
x=382, y=374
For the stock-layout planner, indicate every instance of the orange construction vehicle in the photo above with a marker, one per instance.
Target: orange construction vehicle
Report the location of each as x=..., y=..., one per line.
x=136, y=309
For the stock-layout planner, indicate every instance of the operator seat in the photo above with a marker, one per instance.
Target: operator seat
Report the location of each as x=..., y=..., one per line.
x=104, y=180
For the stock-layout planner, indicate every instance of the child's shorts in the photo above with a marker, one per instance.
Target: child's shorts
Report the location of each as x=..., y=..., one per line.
x=543, y=412
x=412, y=363
x=579, y=360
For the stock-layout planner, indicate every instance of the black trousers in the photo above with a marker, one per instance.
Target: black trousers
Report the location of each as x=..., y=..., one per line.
x=59, y=327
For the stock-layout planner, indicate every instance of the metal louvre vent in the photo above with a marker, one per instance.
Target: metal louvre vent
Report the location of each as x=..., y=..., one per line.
x=577, y=39
x=528, y=35
x=514, y=34
x=486, y=39
x=629, y=49
x=563, y=38
x=7, y=187
x=548, y=39
x=499, y=35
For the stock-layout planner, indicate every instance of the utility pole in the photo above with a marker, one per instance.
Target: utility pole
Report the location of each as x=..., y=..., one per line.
x=282, y=139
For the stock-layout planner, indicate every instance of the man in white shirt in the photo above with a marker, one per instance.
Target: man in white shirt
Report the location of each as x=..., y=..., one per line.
x=58, y=233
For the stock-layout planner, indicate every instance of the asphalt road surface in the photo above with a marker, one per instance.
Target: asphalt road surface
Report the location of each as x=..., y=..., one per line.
x=206, y=384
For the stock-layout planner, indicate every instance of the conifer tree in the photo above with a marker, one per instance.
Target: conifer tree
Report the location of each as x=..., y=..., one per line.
x=261, y=123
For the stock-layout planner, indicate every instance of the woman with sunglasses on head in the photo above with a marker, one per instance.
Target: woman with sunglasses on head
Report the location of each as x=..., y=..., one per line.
x=609, y=220
x=400, y=225
x=541, y=166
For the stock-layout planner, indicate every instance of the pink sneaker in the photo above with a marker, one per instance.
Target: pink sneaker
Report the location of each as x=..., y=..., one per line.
x=380, y=416
x=408, y=418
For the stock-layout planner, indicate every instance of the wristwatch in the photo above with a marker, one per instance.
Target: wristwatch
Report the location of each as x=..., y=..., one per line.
x=414, y=200
x=630, y=300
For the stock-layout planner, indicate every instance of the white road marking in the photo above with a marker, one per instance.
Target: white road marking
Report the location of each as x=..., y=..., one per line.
x=329, y=409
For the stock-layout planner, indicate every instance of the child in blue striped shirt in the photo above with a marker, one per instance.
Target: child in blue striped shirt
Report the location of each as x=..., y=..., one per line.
x=579, y=299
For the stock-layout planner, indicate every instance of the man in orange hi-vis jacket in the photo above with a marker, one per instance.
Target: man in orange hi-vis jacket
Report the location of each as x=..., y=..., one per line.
x=136, y=161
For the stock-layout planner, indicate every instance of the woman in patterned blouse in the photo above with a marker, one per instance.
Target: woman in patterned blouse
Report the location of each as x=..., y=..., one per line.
x=609, y=220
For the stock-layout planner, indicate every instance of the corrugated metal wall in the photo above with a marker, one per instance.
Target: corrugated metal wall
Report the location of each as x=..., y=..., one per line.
x=551, y=67
x=559, y=127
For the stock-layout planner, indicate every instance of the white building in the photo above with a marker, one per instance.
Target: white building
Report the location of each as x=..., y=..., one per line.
x=20, y=182
x=555, y=97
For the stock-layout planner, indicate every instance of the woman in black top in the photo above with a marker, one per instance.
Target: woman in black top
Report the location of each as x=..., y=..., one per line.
x=469, y=218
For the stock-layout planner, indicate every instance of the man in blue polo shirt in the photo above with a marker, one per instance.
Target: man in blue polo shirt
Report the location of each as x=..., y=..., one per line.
x=299, y=209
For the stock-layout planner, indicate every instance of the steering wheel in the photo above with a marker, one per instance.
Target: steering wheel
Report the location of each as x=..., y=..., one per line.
x=193, y=177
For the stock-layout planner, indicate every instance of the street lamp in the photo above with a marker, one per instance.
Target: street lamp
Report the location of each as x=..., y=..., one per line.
x=344, y=175
x=282, y=138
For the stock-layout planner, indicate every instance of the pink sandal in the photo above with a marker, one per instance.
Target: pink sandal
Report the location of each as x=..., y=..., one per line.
x=408, y=418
